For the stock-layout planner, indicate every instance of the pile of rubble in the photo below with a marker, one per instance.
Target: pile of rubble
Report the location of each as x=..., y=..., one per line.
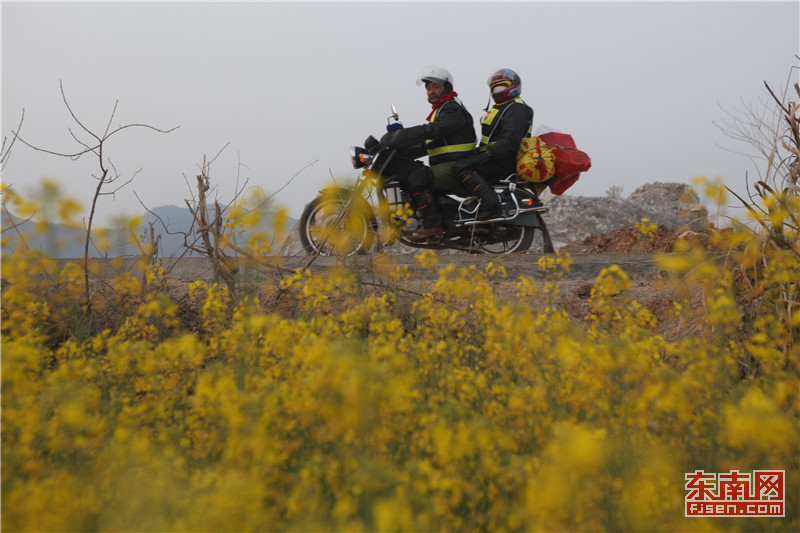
x=672, y=207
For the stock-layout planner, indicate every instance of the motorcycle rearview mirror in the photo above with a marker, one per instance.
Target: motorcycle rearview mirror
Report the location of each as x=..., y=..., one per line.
x=396, y=125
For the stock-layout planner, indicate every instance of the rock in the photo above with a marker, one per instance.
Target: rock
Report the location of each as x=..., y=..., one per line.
x=695, y=216
x=672, y=205
x=656, y=193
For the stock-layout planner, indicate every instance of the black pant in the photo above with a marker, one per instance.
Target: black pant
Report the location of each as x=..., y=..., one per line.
x=417, y=179
x=491, y=171
x=478, y=178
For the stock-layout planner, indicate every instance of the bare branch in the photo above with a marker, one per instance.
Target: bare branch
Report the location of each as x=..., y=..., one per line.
x=204, y=169
x=164, y=225
x=5, y=151
x=271, y=196
x=110, y=119
x=96, y=147
x=16, y=226
x=72, y=114
x=93, y=149
x=772, y=130
x=130, y=180
x=778, y=101
x=80, y=142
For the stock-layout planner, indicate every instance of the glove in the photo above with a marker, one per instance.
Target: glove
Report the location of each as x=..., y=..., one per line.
x=481, y=157
x=390, y=139
x=404, y=138
x=472, y=160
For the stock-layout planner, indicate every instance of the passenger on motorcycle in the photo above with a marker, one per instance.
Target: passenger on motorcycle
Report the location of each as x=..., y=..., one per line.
x=447, y=138
x=502, y=129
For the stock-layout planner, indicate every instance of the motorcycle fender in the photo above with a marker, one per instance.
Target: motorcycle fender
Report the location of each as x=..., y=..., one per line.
x=527, y=219
x=341, y=192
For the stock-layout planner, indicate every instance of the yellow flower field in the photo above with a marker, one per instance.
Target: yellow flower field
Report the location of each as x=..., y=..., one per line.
x=468, y=411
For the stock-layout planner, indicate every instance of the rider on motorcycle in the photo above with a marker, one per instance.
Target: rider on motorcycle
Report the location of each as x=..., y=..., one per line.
x=447, y=138
x=503, y=127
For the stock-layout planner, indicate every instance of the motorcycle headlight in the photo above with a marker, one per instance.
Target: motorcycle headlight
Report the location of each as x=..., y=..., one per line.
x=359, y=157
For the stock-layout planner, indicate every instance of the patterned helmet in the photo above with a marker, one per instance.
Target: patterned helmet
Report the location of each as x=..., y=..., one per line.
x=504, y=84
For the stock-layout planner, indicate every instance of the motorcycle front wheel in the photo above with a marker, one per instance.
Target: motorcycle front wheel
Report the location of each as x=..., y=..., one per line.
x=337, y=224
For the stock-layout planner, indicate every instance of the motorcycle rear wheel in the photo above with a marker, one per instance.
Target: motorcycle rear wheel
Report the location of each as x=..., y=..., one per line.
x=337, y=224
x=515, y=239
x=535, y=239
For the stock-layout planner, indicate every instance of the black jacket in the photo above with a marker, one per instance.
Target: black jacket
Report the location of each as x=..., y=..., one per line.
x=449, y=136
x=502, y=129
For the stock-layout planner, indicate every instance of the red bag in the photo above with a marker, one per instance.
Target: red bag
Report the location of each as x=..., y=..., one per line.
x=570, y=161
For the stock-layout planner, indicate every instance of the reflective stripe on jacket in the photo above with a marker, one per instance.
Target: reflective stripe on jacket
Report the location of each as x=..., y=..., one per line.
x=450, y=133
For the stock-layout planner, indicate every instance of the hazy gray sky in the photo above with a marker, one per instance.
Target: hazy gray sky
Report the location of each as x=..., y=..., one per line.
x=637, y=84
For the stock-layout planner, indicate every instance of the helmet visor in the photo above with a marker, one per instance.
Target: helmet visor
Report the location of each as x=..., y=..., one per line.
x=430, y=79
x=499, y=85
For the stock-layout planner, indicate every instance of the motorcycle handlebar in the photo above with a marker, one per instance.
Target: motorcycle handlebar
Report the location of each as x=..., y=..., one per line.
x=372, y=144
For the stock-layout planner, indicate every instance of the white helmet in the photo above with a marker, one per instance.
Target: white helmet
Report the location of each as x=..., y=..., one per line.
x=436, y=75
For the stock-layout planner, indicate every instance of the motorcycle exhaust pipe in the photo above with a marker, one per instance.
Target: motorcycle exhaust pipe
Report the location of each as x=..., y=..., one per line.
x=517, y=212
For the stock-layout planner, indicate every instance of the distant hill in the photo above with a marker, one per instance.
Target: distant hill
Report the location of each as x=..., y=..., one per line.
x=171, y=222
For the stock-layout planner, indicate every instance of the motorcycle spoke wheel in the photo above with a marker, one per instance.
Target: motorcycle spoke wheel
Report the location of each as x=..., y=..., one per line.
x=334, y=226
x=513, y=239
x=507, y=240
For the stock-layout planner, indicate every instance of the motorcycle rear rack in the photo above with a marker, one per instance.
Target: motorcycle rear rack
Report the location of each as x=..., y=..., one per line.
x=519, y=211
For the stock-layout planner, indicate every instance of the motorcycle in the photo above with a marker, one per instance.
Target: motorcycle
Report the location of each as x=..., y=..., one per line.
x=375, y=213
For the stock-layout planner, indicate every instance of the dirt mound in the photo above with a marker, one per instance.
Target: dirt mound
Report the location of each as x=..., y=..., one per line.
x=627, y=239
x=673, y=205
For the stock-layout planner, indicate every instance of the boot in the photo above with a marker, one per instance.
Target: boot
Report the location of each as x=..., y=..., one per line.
x=489, y=214
x=431, y=218
x=435, y=232
x=490, y=202
x=419, y=184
